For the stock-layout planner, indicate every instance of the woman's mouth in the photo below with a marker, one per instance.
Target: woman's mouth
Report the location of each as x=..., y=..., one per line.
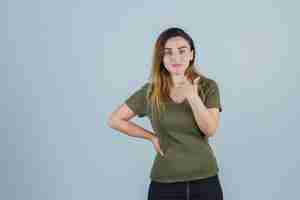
x=176, y=65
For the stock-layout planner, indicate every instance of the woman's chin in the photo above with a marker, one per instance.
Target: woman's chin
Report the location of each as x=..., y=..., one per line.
x=177, y=73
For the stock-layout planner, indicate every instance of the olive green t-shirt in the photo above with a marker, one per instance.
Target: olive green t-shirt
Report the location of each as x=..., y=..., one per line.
x=187, y=153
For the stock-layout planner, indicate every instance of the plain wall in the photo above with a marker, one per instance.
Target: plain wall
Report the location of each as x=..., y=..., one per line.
x=65, y=65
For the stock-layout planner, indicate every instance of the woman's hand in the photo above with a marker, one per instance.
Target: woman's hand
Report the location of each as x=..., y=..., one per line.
x=187, y=89
x=191, y=89
x=155, y=142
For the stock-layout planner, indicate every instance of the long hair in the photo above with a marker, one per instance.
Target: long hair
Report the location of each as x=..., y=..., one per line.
x=160, y=79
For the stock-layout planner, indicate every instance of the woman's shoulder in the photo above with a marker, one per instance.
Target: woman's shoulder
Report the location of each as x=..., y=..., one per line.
x=145, y=85
x=207, y=82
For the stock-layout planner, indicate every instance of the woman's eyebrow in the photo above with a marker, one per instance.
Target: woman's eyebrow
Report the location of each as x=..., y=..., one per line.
x=182, y=47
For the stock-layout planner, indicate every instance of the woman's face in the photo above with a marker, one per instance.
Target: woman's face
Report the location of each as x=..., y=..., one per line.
x=177, y=55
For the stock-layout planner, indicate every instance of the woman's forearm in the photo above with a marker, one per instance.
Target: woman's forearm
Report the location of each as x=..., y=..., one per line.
x=131, y=129
x=205, y=121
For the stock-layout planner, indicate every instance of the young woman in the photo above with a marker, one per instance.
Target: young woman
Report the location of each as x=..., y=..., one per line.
x=183, y=106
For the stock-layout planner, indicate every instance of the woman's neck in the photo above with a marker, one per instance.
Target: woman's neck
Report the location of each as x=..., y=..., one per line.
x=178, y=79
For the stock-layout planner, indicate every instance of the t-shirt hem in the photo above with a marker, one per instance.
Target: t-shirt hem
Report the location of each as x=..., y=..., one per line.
x=183, y=179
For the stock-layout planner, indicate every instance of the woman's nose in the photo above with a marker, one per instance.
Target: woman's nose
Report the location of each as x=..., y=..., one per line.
x=175, y=57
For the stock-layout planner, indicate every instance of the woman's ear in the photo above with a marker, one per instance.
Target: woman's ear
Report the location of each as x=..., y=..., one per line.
x=192, y=55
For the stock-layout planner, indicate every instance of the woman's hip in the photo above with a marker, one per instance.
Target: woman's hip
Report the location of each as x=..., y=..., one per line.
x=206, y=188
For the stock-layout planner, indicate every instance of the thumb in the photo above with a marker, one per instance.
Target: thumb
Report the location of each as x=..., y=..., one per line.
x=195, y=82
x=162, y=153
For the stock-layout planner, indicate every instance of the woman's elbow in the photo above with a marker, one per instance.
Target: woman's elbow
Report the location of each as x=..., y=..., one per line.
x=122, y=113
x=111, y=120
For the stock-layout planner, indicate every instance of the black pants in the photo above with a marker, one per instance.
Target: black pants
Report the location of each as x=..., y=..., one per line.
x=201, y=189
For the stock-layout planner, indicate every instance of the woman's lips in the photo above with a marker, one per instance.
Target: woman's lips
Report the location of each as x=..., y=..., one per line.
x=176, y=65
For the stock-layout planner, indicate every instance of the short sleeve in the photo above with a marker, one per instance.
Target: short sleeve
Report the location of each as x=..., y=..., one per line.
x=137, y=102
x=213, y=96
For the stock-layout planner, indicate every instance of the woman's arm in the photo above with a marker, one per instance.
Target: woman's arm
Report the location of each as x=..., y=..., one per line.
x=207, y=118
x=119, y=120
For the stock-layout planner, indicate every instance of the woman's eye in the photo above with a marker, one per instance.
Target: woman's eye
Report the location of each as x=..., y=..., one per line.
x=182, y=52
x=168, y=53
